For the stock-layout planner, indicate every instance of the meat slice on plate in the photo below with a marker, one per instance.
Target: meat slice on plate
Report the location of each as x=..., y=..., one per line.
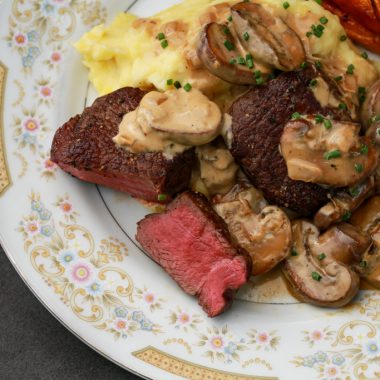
x=84, y=148
x=258, y=121
x=192, y=243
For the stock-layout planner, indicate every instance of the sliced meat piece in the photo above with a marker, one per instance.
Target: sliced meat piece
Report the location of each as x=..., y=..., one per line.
x=258, y=120
x=191, y=242
x=84, y=148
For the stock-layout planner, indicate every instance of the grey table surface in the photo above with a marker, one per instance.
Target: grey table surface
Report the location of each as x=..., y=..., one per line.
x=34, y=345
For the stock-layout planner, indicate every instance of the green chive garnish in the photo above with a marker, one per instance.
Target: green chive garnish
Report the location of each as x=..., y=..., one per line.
x=241, y=61
x=226, y=30
x=259, y=81
x=350, y=69
x=359, y=168
x=229, y=45
x=233, y=61
x=354, y=191
x=364, y=149
x=313, y=82
x=293, y=252
x=303, y=65
x=187, y=87
x=319, y=119
x=229, y=18
x=327, y=123
x=162, y=197
x=318, y=65
x=246, y=36
x=296, y=116
x=363, y=264
x=343, y=38
x=365, y=55
x=347, y=216
x=160, y=36
x=177, y=85
x=169, y=82
x=342, y=106
x=324, y=20
x=338, y=78
x=286, y=5
x=331, y=155
x=249, y=60
x=164, y=44
x=322, y=256
x=316, y=276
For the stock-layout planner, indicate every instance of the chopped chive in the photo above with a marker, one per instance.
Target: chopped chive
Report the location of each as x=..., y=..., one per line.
x=338, y=78
x=229, y=45
x=327, y=123
x=324, y=20
x=259, y=81
x=354, y=191
x=309, y=34
x=362, y=91
x=322, y=256
x=246, y=36
x=316, y=276
x=313, y=82
x=363, y=264
x=177, y=85
x=286, y=5
x=187, y=87
x=350, y=69
x=249, y=60
x=164, y=44
x=317, y=30
x=226, y=30
x=293, y=252
x=162, y=197
x=376, y=118
x=331, y=155
x=169, y=82
x=241, y=61
x=257, y=74
x=303, y=65
x=233, y=61
x=318, y=65
x=347, y=216
x=342, y=106
x=160, y=36
x=358, y=168
x=296, y=116
x=229, y=18
x=318, y=2
x=319, y=119
x=343, y=38
x=364, y=149
x=365, y=55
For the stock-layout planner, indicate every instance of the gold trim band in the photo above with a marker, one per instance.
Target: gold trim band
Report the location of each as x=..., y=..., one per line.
x=4, y=173
x=188, y=370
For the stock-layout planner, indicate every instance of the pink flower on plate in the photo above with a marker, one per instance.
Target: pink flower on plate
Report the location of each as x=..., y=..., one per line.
x=56, y=57
x=81, y=273
x=20, y=39
x=217, y=343
x=46, y=91
x=317, y=335
x=149, y=297
x=121, y=325
x=66, y=207
x=49, y=164
x=32, y=228
x=184, y=318
x=31, y=125
x=263, y=338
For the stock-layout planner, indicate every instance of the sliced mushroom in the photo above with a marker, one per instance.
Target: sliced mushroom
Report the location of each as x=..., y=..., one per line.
x=343, y=203
x=368, y=219
x=265, y=232
x=327, y=152
x=221, y=55
x=267, y=37
x=371, y=105
x=316, y=276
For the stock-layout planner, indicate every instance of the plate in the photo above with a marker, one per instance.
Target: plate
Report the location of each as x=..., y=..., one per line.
x=72, y=242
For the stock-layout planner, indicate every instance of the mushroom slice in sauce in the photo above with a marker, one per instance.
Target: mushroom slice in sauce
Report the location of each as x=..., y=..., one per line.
x=343, y=203
x=368, y=219
x=328, y=152
x=220, y=54
x=371, y=106
x=315, y=275
x=265, y=232
x=267, y=37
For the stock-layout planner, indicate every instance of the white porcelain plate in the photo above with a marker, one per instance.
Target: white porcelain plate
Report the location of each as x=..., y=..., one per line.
x=73, y=244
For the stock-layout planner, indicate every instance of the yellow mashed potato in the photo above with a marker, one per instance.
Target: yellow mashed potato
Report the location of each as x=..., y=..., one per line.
x=127, y=52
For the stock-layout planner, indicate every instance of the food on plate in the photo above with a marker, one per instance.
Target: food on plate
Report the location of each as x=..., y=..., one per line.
x=243, y=118
x=192, y=243
x=84, y=148
x=263, y=231
x=361, y=20
x=318, y=268
x=258, y=120
x=343, y=203
x=315, y=154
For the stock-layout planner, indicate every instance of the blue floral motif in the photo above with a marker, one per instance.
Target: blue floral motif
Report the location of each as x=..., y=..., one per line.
x=372, y=348
x=48, y=8
x=34, y=51
x=94, y=288
x=32, y=36
x=138, y=316
x=121, y=312
x=37, y=206
x=146, y=325
x=320, y=357
x=47, y=230
x=29, y=139
x=45, y=214
x=338, y=359
x=309, y=361
x=230, y=348
x=66, y=257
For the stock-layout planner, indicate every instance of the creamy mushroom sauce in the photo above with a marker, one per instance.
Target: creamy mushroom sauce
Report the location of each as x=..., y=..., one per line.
x=170, y=122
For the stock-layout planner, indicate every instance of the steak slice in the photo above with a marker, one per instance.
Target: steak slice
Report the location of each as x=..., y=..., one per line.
x=191, y=242
x=84, y=148
x=258, y=120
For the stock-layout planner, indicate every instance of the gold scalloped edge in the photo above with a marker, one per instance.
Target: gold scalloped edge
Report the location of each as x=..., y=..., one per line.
x=4, y=172
x=186, y=369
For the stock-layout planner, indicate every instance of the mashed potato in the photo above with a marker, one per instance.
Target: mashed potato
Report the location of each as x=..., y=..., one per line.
x=128, y=52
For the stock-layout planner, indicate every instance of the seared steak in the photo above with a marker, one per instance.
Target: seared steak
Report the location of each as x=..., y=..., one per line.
x=84, y=148
x=258, y=120
x=192, y=243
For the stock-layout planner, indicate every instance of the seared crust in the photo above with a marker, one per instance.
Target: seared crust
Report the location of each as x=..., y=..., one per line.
x=84, y=148
x=258, y=120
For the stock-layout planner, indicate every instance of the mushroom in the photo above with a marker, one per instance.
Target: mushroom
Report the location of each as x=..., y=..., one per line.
x=222, y=56
x=371, y=106
x=368, y=219
x=263, y=231
x=267, y=37
x=315, y=269
x=343, y=203
x=327, y=152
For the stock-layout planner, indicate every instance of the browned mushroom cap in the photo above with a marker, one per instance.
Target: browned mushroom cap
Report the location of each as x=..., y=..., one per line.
x=264, y=233
x=220, y=54
x=368, y=219
x=267, y=37
x=343, y=203
x=371, y=106
x=316, y=276
x=328, y=152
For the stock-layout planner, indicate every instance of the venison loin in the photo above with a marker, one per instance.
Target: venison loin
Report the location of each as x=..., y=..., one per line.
x=84, y=148
x=191, y=242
